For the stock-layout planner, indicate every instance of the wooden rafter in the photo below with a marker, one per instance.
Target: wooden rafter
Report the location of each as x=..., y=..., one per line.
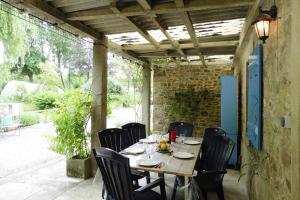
x=189, y=25
x=158, y=8
x=190, y=45
x=145, y=4
x=173, y=42
x=45, y=9
x=144, y=33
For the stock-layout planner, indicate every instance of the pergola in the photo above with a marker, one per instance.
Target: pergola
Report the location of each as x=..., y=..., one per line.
x=142, y=30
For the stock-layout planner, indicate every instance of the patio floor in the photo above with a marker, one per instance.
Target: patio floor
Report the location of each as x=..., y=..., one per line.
x=35, y=172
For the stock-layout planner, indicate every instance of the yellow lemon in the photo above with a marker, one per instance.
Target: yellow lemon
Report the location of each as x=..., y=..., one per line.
x=163, y=146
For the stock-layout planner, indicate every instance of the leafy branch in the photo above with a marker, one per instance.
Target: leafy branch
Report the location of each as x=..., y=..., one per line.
x=186, y=104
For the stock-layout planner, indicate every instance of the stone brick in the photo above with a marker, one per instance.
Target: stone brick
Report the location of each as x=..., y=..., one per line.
x=171, y=80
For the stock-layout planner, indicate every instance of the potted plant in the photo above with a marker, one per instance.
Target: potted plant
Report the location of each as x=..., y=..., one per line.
x=70, y=121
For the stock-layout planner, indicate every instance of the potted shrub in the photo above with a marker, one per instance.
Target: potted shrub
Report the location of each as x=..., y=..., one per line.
x=70, y=121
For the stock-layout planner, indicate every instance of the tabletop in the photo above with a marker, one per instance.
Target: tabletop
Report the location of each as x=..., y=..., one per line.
x=169, y=164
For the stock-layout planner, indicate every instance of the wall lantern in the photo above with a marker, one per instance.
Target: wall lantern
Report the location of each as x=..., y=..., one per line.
x=262, y=23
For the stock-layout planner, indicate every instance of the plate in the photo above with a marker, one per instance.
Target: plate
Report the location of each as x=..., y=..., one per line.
x=135, y=150
x=183, y=155
x=148, y=162
x=192, y=142
x=147, y=140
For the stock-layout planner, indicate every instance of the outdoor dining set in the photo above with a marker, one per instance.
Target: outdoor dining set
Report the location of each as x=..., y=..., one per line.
x=127, y=155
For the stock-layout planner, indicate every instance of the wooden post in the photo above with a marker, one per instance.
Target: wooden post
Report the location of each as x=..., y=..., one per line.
x=146, y=95
x=99, y=92
x=295, y=94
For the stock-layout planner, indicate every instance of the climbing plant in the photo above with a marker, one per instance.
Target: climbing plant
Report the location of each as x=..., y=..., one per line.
x=185, y=105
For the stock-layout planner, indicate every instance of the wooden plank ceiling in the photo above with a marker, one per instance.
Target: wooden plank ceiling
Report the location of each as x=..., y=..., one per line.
x=147, y=29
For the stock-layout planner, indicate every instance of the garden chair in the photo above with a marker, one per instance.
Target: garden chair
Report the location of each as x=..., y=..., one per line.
x=115, y=170
x=117, y=139
x=181, y=128
x=213, y=166
x=136, y=132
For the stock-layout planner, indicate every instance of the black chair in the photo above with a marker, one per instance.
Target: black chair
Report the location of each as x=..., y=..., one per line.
x=181, y=128
x=213, y=165
x=208, y=138
x=117, y=139
x=208, y=142
x=114, y=138
x=136, y=131
x=115, y=170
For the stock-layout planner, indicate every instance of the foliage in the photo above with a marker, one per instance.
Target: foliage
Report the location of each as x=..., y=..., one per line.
x=186, y=104
x=114, y=88
x=44, y=100
x=29, y=119
x=70, y=121
x=49, y=77
x=255, y=165
x=31, y=63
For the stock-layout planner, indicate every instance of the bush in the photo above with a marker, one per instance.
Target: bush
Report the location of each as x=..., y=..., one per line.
x=70, y=120
x=29, y=119
x=45, y=100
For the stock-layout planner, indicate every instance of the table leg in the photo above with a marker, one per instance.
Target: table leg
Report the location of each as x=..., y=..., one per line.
x=186, y=189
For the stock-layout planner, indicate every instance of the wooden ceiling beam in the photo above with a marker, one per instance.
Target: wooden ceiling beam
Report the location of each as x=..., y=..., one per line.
x=173, y=42
x=189, y=25
x=144, y=33
x=148, y=47
x=158, y=8
x=145, y=4
x=43, y=8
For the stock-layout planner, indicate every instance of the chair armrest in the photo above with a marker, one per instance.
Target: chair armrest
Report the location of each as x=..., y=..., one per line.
x=151, y=185
x=213, y=172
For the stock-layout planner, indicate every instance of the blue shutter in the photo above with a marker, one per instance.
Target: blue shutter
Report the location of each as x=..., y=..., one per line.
x=254, y=112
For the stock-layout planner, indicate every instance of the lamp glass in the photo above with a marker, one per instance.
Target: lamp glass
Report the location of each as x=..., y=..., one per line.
x=262, y=28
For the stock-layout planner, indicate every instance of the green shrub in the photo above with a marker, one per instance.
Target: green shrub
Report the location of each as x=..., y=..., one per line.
x=29, y=119
x=45, y=100
x=70, y=120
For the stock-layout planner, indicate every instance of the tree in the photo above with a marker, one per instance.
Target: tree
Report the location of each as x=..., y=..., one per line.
x=30, y=66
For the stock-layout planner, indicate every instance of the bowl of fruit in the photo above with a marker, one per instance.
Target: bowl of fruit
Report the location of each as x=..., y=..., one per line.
x=163, y=147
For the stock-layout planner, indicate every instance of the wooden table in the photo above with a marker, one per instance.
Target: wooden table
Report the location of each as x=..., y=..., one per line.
x=170, y=164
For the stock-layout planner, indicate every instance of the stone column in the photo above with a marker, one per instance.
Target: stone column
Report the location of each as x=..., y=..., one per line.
x=146, y=97
x=99, y=93
x=295, y=98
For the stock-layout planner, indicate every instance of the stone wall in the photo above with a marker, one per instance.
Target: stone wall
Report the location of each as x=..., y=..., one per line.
x=169, y=80
x=269, y=170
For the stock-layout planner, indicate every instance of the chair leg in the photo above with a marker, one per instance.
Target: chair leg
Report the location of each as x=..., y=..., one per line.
x=136, y=182
x=103, y=191
x=148, y=177
x=220, y=193
x=204, y=194
x=174, y=189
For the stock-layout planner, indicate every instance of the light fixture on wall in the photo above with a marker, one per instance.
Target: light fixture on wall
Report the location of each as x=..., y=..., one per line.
x=262, y=23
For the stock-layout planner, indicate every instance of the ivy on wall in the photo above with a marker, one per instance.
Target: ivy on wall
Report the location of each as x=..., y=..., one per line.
x=185, y=105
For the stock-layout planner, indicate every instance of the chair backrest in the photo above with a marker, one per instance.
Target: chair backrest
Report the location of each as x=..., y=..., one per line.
x=136, y=131
x=181, y=128
x=218, y=155
x=208, y=138
x=114, y=138
x=115, y=171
